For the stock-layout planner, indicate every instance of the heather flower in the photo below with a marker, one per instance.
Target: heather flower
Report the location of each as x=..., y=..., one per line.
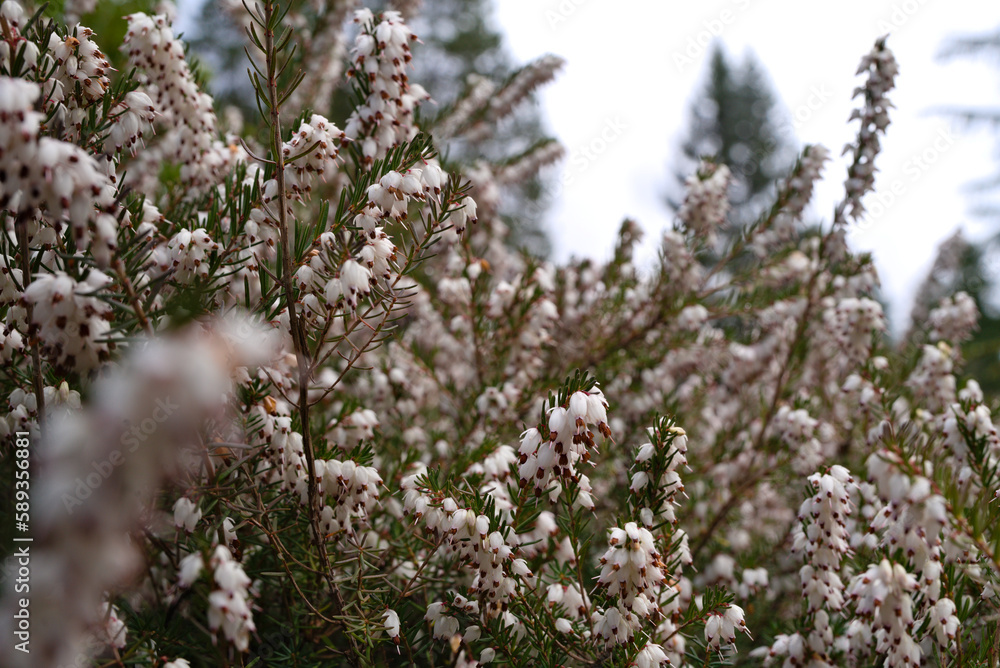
x=229, y=607
x=72, y=319
x=186, y=514
x=649, y=656
x=631, y=565
x=722, y=628
x=391, y=623
x=883, y=594
x=191, y=139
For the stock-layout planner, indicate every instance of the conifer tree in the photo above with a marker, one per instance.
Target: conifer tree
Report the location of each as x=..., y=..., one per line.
x=736, y=119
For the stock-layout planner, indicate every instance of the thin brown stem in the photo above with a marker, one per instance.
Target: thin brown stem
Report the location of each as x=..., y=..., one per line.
x=423, y=564
x=133, y=298
x=295, y=323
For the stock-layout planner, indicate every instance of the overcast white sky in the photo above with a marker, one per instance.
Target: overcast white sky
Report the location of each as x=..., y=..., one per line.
x=633, y=65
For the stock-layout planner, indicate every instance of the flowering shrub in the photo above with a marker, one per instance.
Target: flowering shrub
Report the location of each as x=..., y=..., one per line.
x=293, y=401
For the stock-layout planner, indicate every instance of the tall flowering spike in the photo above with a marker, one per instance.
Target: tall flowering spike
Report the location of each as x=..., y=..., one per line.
x=380, y=59
x=528, y=165
x=880, y=67
x=657, y=481
x=192, y=137
x=521, y=85
x=824, y=539
x=796, y=191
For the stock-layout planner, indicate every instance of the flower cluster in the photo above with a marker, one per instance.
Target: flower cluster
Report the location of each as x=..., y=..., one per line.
x=310, y=154
x=71, y=318
x=191, y=140
x=824, y=539
x=380, y=56
x=705, y=206
x=354, y=490
x=954, y=319
x=79, y=62
x=630, y=568
x=796, y=191
x=522, y=84
x=671, y=448
x=185, y=256
x=881, y=69
x=132, y=116
x=59, y=177
x=884, y=594
x=722, y=628
x=486, y=551
x=229, y=604
x=569, y=443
